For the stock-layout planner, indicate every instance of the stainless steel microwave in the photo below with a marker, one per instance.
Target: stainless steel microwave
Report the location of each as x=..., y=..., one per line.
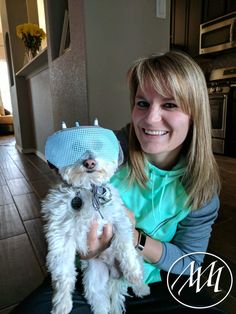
x=218, y=34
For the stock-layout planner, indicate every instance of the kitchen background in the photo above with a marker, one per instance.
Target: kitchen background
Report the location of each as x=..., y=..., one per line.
x=80, y=79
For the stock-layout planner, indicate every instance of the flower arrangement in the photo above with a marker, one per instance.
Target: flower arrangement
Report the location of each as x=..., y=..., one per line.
x=32, y=37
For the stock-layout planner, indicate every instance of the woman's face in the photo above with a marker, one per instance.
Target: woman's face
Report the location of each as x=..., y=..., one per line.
x=160, y=126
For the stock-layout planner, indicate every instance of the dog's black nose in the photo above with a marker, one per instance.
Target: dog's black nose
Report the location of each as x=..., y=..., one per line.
x=89, y=163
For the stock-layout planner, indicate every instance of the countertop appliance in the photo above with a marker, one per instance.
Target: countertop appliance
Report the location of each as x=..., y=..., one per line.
x=222, y=96
x=218, y=34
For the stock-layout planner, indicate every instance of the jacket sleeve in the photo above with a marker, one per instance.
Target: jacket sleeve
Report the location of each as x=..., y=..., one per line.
x=192, y=235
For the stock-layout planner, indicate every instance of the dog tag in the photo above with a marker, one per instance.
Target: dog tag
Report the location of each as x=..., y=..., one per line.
x=76, y=203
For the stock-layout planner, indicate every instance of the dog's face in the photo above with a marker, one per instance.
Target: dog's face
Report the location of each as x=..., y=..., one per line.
x=89, y=171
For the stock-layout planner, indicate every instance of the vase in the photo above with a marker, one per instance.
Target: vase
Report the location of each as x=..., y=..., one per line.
x=29, y=55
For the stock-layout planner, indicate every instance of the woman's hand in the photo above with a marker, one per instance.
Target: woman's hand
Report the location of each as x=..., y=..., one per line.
x=96, y=245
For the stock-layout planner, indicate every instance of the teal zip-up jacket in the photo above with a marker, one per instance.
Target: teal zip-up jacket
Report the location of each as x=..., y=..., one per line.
x=160, y=211
x=158, y=208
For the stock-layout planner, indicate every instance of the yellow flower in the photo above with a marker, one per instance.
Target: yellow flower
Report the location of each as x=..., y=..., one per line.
x=20, y=30
x=31, y=34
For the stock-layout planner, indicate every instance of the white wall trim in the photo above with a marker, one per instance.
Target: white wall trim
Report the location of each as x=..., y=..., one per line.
x=31, y=151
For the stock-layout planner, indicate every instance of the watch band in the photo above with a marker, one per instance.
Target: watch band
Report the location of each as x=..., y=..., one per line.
x=141, y=240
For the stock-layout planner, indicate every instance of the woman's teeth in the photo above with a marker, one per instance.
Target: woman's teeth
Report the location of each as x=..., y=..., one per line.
x=152, y=132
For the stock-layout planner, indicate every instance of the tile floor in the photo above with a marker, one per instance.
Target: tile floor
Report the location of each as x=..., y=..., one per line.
x=25, y=180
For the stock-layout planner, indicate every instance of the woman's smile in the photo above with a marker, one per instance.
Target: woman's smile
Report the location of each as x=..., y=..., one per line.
x=155, y=132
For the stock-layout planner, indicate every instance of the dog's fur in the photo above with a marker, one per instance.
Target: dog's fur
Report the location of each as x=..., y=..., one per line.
x=66, y=233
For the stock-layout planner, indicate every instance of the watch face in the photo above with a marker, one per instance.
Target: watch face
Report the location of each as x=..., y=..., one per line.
x=141, y=241
x=140, y=247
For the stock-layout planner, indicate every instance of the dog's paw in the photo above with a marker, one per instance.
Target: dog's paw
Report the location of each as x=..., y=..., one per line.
x=141, y=291
x=134, y=276
x=63, y=307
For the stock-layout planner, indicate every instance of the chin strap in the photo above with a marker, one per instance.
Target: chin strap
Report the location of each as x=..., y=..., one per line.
x=101, y=196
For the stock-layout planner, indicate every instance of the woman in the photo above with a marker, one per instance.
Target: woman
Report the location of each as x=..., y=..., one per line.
x=170, y=181
x=171, y=169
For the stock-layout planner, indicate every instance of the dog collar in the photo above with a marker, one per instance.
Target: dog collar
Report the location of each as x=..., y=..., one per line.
x=101, y=196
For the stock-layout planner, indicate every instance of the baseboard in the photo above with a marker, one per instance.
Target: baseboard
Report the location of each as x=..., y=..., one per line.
x=31, y=151
x=40, y=155
x=25, y=150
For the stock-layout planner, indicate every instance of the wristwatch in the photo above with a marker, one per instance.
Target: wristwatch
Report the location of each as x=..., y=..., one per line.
x=141, y=240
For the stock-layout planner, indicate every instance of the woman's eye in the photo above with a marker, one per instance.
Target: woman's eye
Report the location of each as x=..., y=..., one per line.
x=170, y=105
x=142, y=104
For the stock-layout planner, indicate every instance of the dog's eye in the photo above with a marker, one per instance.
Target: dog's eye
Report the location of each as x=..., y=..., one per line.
x=76, y=203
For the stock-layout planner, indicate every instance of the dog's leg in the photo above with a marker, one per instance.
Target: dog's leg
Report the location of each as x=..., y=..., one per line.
x=60, y=262
x=95, y=281
x=117, y=291
x=130, y=263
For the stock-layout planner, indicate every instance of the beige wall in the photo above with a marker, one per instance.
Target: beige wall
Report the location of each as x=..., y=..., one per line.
x=117, y=33
x=41, y=109
x=2, y=53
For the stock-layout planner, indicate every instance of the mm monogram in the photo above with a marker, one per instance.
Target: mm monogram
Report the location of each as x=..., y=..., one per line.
x=209, y=277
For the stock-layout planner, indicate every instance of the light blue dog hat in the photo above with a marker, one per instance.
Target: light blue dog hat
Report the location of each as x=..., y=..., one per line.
x=72, y=145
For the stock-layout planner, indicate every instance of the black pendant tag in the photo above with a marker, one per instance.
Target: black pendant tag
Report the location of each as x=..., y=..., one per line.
x=76, y=203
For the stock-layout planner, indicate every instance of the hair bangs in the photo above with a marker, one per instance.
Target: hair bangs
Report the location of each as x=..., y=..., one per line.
x=166, y=80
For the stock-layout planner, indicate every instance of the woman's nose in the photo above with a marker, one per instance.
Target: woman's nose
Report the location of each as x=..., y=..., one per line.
x=154, y=114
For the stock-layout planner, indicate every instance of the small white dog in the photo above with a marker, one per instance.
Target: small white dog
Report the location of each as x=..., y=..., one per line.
x=70, y=208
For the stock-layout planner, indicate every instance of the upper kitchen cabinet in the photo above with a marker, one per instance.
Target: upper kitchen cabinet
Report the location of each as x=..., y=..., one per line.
x=185, y=25
x=212, y=9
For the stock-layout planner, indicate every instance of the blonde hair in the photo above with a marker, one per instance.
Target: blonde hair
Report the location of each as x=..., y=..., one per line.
x=176, y=75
